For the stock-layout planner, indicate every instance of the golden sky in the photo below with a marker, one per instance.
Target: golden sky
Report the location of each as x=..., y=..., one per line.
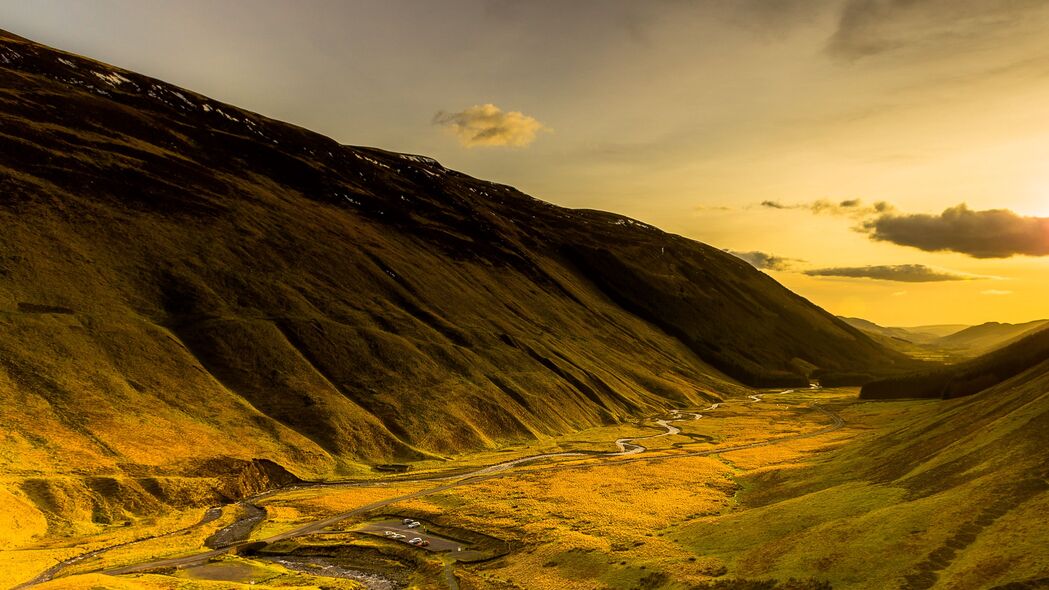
x=684, y=114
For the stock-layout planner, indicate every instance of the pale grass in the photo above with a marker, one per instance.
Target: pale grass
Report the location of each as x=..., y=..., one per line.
x=20, y=520
x=24, y=564
x=288, y=510
x=579, y=523
x=783, y=454
x=148, y=549
x=284, y=579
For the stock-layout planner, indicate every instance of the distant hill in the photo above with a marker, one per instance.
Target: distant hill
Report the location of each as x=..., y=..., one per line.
x=915, y=335
x=949, y=342
x=969, y=377
x=986, y=337
x=938, y=330
x=913, y=342
x=183, y=281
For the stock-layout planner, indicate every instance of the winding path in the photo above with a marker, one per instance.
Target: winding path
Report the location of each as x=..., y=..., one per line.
x=626, y=446
x=47, y=575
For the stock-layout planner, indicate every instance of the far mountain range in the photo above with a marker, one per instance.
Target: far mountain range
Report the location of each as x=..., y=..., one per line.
x=948, y=342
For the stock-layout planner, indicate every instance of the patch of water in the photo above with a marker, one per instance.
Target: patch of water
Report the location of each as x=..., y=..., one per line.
x=321, y=567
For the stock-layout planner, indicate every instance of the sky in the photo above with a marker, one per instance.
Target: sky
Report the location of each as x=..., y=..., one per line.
x=887, y=159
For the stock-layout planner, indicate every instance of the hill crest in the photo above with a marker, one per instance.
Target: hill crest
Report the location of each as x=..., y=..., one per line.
x=207, y=270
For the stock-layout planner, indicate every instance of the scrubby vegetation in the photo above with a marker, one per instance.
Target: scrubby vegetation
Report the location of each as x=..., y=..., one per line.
x=955, y=503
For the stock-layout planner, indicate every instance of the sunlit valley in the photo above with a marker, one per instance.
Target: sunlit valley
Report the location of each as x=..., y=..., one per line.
x=239, y=353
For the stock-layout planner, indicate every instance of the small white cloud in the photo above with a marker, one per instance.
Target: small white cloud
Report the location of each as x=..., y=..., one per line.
x=994, y=292
x=488, y=125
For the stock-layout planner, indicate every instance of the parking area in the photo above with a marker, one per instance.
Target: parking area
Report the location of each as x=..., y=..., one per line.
x=381, y=528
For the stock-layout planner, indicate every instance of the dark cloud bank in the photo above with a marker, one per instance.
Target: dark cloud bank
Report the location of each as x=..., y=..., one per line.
x=903, y=273
x=872, y=27
x=851, y=207
x=995, y=233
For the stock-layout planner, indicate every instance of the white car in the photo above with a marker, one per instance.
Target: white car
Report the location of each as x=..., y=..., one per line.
x=419, y=542
x=414, y=524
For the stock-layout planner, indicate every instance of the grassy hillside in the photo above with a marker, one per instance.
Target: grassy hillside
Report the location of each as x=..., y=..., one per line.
x=966, y=378
x=948, y=343
x=913, y=342
x=937, y=330
x=183, y=282
x=977, y=340
x=912, y=335
x=947, y=494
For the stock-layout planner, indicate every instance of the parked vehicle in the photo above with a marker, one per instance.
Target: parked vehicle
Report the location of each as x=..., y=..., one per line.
x=414, y=524
x=419, y=542
x=407, y=521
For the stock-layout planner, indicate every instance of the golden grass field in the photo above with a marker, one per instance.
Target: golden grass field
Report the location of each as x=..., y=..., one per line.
x=588, y=515
x=809, y=508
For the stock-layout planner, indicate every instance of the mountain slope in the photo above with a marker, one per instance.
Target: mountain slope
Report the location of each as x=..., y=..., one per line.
x=914, y=335
x=952, y=340
x=969, y=377
x=986, y=337
x=914, y=342
x=181, y=280
x=937, y=330
x=952, y=493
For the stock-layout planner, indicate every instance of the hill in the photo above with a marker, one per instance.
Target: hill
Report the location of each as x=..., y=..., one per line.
x=186, y=286
x=937, y=330
x=969, y=377
x=976, y=340
x=952, y=492
x=914, y=342
x=948, y=343
x=913, y=335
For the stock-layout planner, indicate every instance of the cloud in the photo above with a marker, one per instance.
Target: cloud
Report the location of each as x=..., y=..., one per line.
x=764, y=260
x=903, y=273
x=995, y=292
x=994, y=233
x=488, y=125
x=848, y=207
x=872, y=27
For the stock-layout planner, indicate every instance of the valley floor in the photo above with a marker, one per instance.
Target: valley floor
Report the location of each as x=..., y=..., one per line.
x=767, y=487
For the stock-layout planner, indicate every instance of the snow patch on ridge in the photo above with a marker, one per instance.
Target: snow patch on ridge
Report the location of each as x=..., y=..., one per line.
x=111, y=78
x=8, y=56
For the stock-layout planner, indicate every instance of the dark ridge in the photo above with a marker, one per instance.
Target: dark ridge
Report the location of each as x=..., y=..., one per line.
x=965, y=378
x=337, y=305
